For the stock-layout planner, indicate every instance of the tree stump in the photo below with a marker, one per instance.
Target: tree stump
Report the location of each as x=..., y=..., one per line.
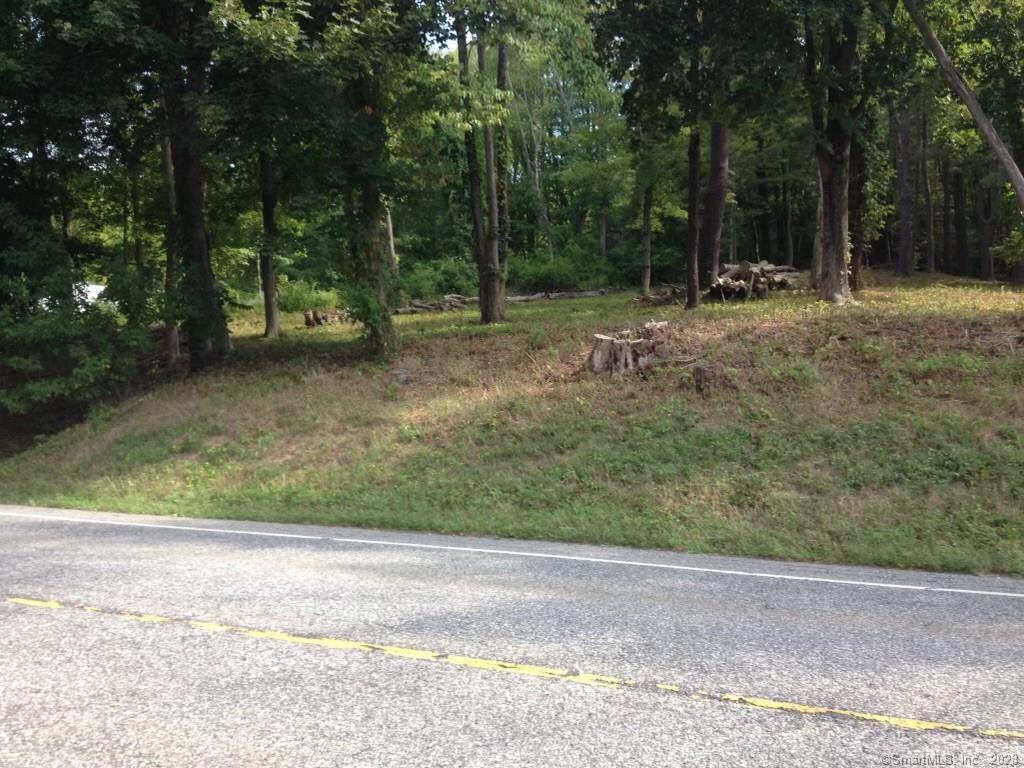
x=631, y=351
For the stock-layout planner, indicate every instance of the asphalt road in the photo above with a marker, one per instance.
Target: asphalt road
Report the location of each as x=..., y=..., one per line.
x=135, y=641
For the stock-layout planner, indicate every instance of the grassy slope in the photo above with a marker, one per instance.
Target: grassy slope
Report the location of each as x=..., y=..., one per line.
x=887, y=433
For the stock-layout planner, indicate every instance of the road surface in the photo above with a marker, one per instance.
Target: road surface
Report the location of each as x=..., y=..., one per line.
x=146, y=641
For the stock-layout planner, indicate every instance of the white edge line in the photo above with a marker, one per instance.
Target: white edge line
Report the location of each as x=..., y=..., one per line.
x=519, y=553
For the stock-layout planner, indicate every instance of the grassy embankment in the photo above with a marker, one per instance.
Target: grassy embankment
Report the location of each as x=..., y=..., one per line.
x=888, y=433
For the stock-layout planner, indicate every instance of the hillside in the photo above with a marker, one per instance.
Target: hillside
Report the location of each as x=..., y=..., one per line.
x=887, y=433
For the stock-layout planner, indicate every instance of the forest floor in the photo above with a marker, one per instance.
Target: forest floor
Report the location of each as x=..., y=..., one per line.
x=887, y=433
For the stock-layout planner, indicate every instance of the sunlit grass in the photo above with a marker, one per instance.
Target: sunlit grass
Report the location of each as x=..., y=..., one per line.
x=890, y=432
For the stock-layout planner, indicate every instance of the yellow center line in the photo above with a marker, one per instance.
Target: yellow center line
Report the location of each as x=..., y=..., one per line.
x=532, y=670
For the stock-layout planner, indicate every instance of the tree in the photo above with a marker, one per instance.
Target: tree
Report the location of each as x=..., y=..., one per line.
x=906, y=184
x=964, y=92
x=184, y=77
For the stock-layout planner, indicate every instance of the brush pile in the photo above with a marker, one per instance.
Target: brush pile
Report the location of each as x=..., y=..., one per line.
x=752, y=281
x=454, y=301
x=670, y=294
x=555, y=296
x=451, y=302
x=317, y=317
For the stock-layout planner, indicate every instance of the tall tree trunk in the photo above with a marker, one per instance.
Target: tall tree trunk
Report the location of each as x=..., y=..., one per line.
x=268, y=248
x=602, y=236
x=967, y=96
x=947, y=218
x=693, y=241
x=733, y=245
x=858, y=234
x=172, y=342
x=960, y=224
x=905, y=265
x=492, y=308
x=833, y=114
x=138, y=302
x=373, y=269
x=648, y=207
x=834, y=284
x=136, y=229
x=531, y=159
x=714, y=205
x=205, y=322
x=929, y=197
x=501, y=164
x=183, y=88
x=787, y=199
x=392, y=251
x=473, y=181
x=819, y=236
x=985, y=213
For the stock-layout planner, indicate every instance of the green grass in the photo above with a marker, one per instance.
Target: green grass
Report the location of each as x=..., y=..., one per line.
x=888, y=433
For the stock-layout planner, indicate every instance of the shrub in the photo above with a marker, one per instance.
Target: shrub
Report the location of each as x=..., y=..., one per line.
x=300, y=296
x=55, y=346
x=428, y=279
x=544, y=274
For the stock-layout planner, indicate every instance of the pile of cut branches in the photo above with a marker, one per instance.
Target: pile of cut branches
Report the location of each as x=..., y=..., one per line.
x=752, y=281
x=451, y=302
x=317, y=317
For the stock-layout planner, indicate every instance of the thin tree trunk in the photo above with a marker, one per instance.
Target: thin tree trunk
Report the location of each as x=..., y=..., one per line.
x=648, y=207
x=693, y=241
x=858, y=235
x=476, y=205
x=491, y=308
x=819, y=236
x=172, y=341
x=929, y=197
x=138, y=302
x=531, y=158
x=714, y=205
x=947, y=219
x=501, y=178
x=905, y=265
x=268, y=249
x=960, y=224
x=135, y=169
x=986, y=220
x=392, y=251
x=602, y=236
x=787, y=198
x=733, y=245
x=966, y=95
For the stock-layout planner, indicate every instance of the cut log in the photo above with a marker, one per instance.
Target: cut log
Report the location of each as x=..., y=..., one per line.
x=576, y=294
x=673, y=295
x=523, y=299
x=452, y=302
